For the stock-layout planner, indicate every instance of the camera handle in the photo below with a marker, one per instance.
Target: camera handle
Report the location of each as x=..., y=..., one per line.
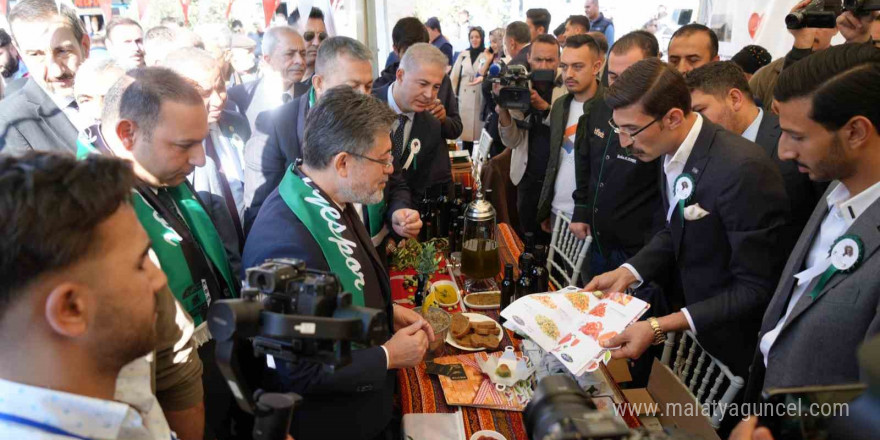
x=273, y=414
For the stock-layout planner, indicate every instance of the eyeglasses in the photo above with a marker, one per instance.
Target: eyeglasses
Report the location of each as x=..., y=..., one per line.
x=384, y=164
x=619, y=131
x=310, y=35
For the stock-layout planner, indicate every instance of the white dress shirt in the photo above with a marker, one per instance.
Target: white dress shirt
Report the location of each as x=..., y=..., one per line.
x=751, y=133
x=231, y=159
x=843, y=211
x=78, y=415
x=673, y=166
x=407, y=130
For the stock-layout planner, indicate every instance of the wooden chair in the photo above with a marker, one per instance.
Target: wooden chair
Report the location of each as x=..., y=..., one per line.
x=688, y=365
x=567, y=254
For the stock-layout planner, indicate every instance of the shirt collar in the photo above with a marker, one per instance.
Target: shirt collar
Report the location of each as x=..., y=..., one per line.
x=84, y=416
x=851, y=208
x=751, y=133
x=684, y=150
x=393, y=104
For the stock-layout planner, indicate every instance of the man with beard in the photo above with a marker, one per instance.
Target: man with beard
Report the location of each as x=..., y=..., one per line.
x=125, y=42
x=580, y=63
x=12, y=68
x=220, y=183
x=347, y=160
x=43, y=115
x=78, y=300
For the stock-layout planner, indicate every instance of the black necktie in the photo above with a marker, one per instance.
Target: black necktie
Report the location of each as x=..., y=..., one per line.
x=397, y=137
x=285, y=97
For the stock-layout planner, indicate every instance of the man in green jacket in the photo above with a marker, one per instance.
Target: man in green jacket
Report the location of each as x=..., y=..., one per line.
x=580, y=63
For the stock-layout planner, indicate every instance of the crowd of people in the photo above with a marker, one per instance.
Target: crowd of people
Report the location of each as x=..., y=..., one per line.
x=739, y=198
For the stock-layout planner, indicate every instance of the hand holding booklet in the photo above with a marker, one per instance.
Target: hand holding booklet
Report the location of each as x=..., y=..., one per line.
x=571, y=322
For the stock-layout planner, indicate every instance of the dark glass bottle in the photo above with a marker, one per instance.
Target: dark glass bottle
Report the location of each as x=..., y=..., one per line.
x=540, y=276
x=458, y=200
x=452, y=233
x=528, y=241
x=524, y=283
x=468, y=195
x=442, y=212
x=460, y=241
x=425, y=214
x=508, y=287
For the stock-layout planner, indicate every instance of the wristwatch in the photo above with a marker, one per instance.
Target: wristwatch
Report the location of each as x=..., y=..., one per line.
x=659, y=334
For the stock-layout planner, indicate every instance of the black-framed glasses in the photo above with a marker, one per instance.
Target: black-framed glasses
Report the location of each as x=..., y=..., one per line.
x=380, y=162
x=310, y=35
x=619, y=131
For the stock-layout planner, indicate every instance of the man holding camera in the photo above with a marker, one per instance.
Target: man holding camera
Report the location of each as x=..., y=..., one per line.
x=528, y=133
x=347, y=160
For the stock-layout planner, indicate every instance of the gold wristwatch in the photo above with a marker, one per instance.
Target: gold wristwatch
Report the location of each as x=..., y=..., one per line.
x=659, y=334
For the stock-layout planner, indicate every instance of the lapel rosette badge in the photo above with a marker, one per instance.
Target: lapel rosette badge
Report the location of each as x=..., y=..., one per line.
x=414, y=147
x=682, y=191
x=844, y=257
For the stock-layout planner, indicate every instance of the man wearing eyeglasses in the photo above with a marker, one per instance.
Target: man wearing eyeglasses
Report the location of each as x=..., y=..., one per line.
x=311, y=216
x=314, y=35
x=725, y=208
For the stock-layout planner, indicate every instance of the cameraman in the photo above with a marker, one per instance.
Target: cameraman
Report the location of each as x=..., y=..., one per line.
x=528, y=134
x=311, y=216
x=807, y=41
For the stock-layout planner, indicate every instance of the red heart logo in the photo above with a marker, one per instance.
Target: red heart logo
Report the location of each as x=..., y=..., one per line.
x=754, y=23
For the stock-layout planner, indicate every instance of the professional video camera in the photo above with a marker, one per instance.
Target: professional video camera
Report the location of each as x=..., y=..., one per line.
x=303, y=317
x=824, y=13
x=515, y=93
x=561, y=410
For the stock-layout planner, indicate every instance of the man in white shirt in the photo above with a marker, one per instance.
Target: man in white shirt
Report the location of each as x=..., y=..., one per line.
x=724, y=206
x=720, y=92
x=828, y=294
x=78, y=301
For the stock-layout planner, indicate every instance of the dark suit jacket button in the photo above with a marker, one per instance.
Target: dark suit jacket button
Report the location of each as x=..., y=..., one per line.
x=364, y=388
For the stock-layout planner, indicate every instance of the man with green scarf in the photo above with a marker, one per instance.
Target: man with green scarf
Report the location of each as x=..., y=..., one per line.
x=311, y=216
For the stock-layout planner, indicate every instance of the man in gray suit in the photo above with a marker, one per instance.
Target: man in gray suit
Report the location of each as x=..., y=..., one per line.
x=826, y=303
x=222, y=184
x=284, y=64
x=43, y=114
x=720, y=92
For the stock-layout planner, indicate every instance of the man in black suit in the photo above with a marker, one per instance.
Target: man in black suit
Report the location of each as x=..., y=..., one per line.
x=278, y=139
x=43, y=114
x=419, y=149
x=407, y=32
x=728, y=209
x=518, y=43
x=284, y=64
x=720, y=92
x=346, y=161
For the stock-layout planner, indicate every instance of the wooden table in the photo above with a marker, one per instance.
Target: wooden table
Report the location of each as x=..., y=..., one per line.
x=421, y=393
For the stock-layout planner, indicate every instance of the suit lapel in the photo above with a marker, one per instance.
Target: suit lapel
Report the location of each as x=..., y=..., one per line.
x=768, y=134
x=364, y=239
x=695, y=166
x=866, y=228
x=780, y=299
x=57, y=123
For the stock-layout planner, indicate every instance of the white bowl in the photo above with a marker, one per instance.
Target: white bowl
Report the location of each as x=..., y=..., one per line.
x=457, y=293
x=487, y=433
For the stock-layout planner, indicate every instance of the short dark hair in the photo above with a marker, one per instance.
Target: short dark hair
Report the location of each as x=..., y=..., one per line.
x=752, y=58
x=601, y=40
x=843, y=81
x=578, y=41
x=579, y=20
x=654, y=84
x=316, y=13
x=42, y=10
x=5, y=39
x=119, y=21
x=718, y=78
x=343, y=121
x=408, y=31
x=142, y=100
x=434, y=24
x=518, y=31
x=559, y=30
x=235, y=23
x=693, y=28
x=294, y=16
x=540, y=18
x=50, y=207
x=547, y=39
x=643, y=40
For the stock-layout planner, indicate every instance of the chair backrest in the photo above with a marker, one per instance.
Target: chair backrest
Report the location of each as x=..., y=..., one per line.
x=567, y=254
x=688, y=364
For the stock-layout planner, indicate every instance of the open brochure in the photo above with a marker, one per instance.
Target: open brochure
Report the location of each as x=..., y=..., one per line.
x=569, y=323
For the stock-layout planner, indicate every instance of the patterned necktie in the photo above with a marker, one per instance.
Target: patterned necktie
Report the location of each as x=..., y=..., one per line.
x=397, y=137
